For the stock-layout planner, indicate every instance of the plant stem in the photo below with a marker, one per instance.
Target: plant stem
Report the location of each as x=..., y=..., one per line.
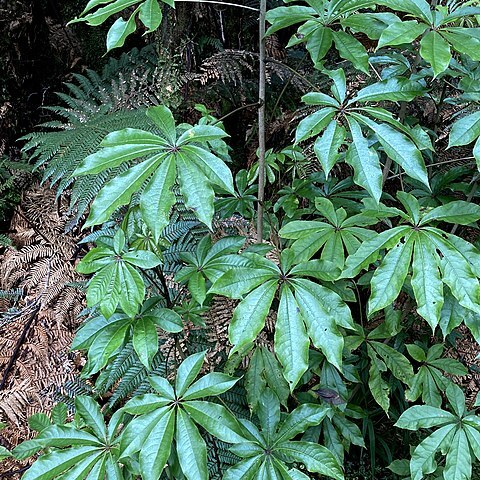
x=261, y=121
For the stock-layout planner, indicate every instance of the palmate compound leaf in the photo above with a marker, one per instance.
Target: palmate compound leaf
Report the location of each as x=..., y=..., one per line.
x=312, y=308
x=267, y=452
x=433, y=251
x=317, y=30
x=169, y=415
x=117, y=281
x=74, y=453
x=399, y=142
x=457, y=437
x=165, y=158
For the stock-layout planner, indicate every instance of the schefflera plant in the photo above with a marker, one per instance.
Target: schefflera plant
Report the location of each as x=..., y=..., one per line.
x=174, y=154
x=309, y=309
x=168, y=417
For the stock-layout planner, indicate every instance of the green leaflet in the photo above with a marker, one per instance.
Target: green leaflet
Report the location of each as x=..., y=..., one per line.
x=422, y=460
x=327, y=145
x=249, y=316
x=157, y=199
x=436, y=51
x=321, y=324
x=399, y=148
x=291, y=340
x=465, y=130
x=216, y=419
x=314, y=124
x=145, y=340
x=393, y=89
x=389, y=277
x=368, y=251
x=150, y=15
x=365, y=162
x=458, y=464
x=156, y=447
x=120, y=30
x=315, y=457
x=426, y=282
x=352, y=50
x=191, y=448
x=377, y=385
x=399, y=33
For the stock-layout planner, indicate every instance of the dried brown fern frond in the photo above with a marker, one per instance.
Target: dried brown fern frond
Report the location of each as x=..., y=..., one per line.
x=227, y=66
x=37, y=331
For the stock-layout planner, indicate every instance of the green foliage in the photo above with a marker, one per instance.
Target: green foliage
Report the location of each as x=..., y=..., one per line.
x=171, y=413
x=84, y=447
x=267, y=452
x=458, y=437
x=362, y=266
x=149, y=12
x=172, y=153
x=117, y=280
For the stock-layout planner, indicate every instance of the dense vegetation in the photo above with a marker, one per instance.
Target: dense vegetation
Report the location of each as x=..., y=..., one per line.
x=336, y=356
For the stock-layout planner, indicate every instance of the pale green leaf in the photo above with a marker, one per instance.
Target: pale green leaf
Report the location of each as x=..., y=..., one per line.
x=120, y=30
x=426, y=282
x=191, y=448
x=156, y=448
x=187, y=372
x=249, y=316
x=351, y=49
x=47, y=467
x=196, y=188
x=304, y=416
x=291, y=340
x=216, y=420
x=389, y=277
x=90, y=412
x=150, y=15
x=423, y=457
x=367, y=253
x=394, y=89
x=316, y=458
x=314, y=124
x=211, y=384
x=458, y=464
x=365, y=162
x=327, y=145
x=119, y=190
x=436, y=51
x=145, y=341
x=157, y=199
x=424, y=416
x=399, y=33
x=465, y=130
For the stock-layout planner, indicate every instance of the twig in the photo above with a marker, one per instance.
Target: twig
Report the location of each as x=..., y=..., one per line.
x=219, y=3
x=243, y=107
x=18, y=345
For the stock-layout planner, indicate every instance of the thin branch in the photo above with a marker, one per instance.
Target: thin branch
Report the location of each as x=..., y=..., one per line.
x=243, y=107
x=18, y=346
x=443, y=162
x=219, y=3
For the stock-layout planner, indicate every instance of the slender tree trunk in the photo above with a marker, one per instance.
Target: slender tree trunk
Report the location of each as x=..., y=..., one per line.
x=261, y=122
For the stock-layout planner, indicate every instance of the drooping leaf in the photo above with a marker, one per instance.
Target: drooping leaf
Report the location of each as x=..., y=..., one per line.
x=191, y=448
x=389, y=277
x=291, y=340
